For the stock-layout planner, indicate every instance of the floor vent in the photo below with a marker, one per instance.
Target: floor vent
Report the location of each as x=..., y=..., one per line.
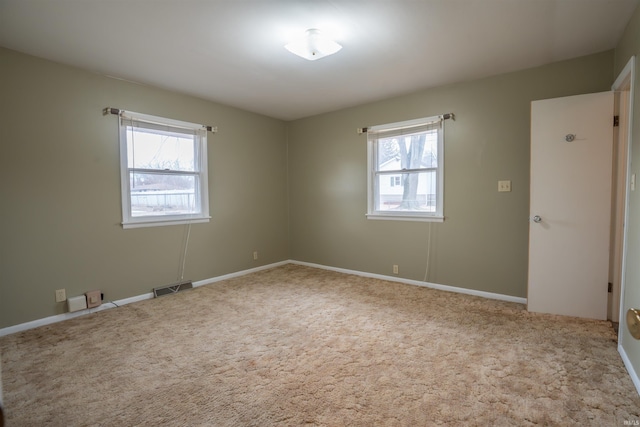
x=172, y=289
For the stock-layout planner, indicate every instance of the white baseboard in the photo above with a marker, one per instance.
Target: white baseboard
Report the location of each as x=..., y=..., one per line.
x=65, y=316
x=238, y=274
x=108, y=305
x=627, y=364
x=112, y=304
x=418, y=283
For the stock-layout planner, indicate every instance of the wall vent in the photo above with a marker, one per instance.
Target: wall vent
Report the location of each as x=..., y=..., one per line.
x=172, y=289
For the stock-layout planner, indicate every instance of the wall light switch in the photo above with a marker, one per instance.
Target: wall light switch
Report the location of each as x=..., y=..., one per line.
x=504, y=186
x=633, y=182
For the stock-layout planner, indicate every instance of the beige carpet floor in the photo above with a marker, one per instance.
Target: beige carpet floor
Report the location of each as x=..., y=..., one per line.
x=297, y=346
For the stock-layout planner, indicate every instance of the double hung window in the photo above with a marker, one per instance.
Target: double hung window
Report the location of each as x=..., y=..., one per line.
x=163, y=166
x=406, y=170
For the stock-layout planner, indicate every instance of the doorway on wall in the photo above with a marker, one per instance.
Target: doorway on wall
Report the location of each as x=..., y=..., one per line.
x=580, y=272
x=621, y=187
x=570, y=205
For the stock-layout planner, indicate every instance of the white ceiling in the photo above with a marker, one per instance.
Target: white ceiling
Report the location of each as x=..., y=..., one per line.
x=231, y=51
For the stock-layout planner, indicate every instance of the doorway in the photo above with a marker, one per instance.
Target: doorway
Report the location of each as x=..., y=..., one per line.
x=621, y=184
x=620, y=190
x=570, y=205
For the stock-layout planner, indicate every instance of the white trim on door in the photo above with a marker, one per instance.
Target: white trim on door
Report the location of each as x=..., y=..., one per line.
x=625, y=82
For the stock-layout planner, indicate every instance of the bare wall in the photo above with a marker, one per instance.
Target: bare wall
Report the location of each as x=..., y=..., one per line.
x=483, y=243
x=60, y=190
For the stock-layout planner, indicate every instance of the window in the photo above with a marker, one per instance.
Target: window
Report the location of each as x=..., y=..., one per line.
x=163, y=166
x=406, y=170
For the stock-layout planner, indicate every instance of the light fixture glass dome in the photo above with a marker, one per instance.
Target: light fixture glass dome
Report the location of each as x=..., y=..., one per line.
x=313, y=45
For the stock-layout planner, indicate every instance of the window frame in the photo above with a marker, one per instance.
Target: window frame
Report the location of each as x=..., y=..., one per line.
x=200, y=172
x=373, y=172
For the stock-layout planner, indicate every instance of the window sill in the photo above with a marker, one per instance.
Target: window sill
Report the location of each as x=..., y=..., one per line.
x=408, y=217
x=164, y=222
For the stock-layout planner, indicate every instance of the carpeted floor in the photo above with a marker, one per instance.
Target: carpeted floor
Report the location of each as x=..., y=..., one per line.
x=299, y=346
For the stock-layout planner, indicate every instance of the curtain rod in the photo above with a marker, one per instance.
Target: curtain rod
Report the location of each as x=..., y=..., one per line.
x=445, y=116
x=117, y=112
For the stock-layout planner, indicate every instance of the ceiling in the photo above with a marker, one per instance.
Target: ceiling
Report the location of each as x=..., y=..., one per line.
x=231, y=51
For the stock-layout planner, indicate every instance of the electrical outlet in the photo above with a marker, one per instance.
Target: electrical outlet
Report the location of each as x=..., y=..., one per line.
x=61, y=295
x=504, y=186
x=255, y=255
x=395, y=268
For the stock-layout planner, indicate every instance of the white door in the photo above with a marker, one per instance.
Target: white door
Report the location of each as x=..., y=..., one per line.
x=570, y=205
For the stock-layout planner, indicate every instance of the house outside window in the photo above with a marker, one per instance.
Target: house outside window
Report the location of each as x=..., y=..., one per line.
x=406, y=170
x=163, y=171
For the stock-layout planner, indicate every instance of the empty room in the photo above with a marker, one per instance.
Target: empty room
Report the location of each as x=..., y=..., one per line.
x=319, y=212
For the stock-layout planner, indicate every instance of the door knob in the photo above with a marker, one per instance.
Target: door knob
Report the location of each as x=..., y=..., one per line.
x=537, y=219
x=633, y=322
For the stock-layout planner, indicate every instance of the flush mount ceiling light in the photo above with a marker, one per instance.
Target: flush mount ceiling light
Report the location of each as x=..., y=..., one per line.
x=313, y=45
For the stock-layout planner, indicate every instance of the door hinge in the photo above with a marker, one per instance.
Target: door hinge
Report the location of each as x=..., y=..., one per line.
x=616, y=121
x=610, y=288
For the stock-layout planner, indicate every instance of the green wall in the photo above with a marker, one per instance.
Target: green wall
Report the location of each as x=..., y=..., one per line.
x=483, y=242
x=293, y=190
x=628, y=46
x=60, y=190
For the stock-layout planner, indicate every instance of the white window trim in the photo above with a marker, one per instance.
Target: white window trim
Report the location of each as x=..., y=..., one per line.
x=373, y=214
x=202, y=184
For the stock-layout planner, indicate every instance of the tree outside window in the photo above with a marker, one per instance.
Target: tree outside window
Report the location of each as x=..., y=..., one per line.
x=413, y=154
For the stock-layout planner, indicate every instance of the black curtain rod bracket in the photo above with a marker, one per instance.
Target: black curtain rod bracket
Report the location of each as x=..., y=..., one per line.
x=110, y=110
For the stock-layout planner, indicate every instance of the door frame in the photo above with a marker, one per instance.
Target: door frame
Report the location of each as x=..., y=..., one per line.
x=623, y=83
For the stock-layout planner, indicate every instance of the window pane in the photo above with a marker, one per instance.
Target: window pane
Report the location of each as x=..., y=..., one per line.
x=415, y=151
x=430, y=153
x=153, y=149
x=415, y=192
x=162, y=194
